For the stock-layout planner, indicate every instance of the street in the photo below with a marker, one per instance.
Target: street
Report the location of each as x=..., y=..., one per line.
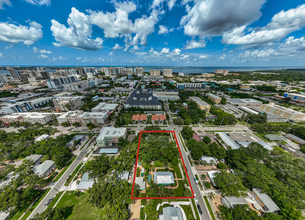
x=205, y=212
x=55, y=189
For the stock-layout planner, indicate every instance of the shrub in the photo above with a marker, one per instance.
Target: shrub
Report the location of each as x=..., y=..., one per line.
x=207, y=185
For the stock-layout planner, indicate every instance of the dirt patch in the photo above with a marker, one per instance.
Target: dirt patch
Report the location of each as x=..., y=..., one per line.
x=135, y=209
x=216, y=202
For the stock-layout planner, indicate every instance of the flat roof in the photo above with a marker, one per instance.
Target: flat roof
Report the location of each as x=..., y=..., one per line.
x=228, y=140
x=275, y=137
x=267, y=203
x=109, y=150
x=214, y=96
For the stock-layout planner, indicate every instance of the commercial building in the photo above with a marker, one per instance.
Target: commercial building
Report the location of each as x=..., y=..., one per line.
x=295, y=138
x=13, y=73
x=76, y=87
x=171, y=213
x=67, y=103
x=201, y=104
x=110, y=136
x=167, y=95
x=264, y=201
x=231, y=110
x=270, y=117
x=4, y=78
x=139, y=70
x=224, y=72
x=228, y=141
x=70, y=117
x=183, y=86
x=164, y=178
x=231, y=201
x=214, y=98
x=31, y=117
x=168, y=72
x=45, y=168
x=244, y=102
x=97, y=118
x=58, y=83
x=103, y=106
x=154, y=72
x=290, y=114
x=143, y=98
x=90, y=72
x=294, y=96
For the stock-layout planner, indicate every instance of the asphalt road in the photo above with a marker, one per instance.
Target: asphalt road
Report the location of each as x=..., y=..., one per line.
x=41, y=207
x=205, y=212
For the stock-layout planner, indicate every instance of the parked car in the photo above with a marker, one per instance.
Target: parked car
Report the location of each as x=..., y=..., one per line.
x=196, y=200
x=199, y=209
x=49, y=201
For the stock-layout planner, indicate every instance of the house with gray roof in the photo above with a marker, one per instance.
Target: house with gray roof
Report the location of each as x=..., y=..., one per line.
x=143, y=98
x=164, y=178
x=140, y=181
x=231, y=201
x=35, y=158
x=265, y=202
x=209, y=160
x=85, y=182
x=45, y=168
x=171, y=213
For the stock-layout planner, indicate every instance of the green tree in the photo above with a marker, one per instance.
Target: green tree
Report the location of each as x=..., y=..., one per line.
x=288, y=211
x=206, y=139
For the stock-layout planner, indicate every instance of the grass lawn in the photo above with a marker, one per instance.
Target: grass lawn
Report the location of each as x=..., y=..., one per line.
x=195, y=208
x=179, y=192
x=188, y=212
x=20, y=212
x=209, y=207
x=27, y=214
x=158, y=163
x=177, y=170
x=64, y=170
x=183, y=170
x=128, y=117
x=81, y=209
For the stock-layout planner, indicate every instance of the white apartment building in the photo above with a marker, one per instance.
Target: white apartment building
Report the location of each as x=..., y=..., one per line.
x=103, y=106
x=110, y=136
x=90, y=72
x=154, y=72
x=97, y=118
x=168, y=72
x=63, y=103
x=290, y=114
x=70, y=117
x=31, y=117
x=76, y=87
x=169, y=95
x=139, y=70
x=3, y=78
x=57, y=83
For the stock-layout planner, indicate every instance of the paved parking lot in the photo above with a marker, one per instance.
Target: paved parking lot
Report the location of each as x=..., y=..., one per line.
x=240, y=137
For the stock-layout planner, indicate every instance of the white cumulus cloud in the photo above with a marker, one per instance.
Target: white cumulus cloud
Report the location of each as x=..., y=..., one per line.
x=36, y=50
x=12, y=33
x=78, y=58
x=215, y=17
x=282, y=24
x=117, y=47
x=42, y=56
x=194, y=44
x=222, y=57
x=77, y=35
x=164, y=30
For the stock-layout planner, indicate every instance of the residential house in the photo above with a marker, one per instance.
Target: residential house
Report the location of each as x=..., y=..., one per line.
x=164, y=178
x=158, y=118
x=139, y=118
x=45, y=168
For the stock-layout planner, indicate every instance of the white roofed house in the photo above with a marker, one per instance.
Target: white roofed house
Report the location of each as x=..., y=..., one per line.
x=45, y=168
x=209, y=160
x=85, y=182
x=164, y=178
x=264, y=201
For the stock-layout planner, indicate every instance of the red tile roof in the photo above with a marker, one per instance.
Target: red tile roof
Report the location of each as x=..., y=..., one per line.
x=158, y=117
x=195, y=137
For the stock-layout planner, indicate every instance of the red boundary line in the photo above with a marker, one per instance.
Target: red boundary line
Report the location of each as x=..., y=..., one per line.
x=135, y=172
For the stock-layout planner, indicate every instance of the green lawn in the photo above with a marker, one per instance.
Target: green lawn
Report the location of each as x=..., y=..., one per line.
x=81, y=209
x=177, y=170
x=188, y=212
x=128, y=117
x=158, y=163
x=209, y=207
x=195, y=208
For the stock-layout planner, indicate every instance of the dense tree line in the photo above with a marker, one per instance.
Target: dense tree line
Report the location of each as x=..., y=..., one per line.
x=253, y=118
x=223, y=118
x=192, y=114
x=281, y=176
x=266, y=88
x=5, y=93
x=198, y=149
x=157, y=147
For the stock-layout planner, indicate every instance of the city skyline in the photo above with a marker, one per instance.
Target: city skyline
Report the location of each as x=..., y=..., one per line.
x=152, y=33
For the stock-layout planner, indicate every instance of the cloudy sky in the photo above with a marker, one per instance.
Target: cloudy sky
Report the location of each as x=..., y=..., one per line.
x=152, y=32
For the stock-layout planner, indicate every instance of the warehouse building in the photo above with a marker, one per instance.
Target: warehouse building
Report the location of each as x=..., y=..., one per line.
x=244, y=102
x=214, y=98
x=287, y=113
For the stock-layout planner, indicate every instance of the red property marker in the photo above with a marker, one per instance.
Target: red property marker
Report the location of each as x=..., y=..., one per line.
x=134, y=176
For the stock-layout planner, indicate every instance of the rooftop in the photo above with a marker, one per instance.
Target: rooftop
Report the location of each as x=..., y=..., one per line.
x=163, y=177
x=265, y=201
x=199, y=101
x=214, y=96
x=111, y=132
x=85, y=182
x=142, y=97
x=274, y=137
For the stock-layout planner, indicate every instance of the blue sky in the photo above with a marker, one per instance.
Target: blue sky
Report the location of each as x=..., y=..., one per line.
x=152, y=32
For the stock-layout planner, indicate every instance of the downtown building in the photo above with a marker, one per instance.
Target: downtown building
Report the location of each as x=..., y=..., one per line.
x=167, y=72
x=143, y=98
x=31, y=117
x=154, y=72
x=67, y=103
x=58, y=83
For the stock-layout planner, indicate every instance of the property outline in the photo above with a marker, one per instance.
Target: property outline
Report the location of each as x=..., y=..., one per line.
x=134, y=176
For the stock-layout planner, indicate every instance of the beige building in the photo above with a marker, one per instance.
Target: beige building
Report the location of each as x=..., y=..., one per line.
x=154, y=72
x=224, y=72
x=70, y=117
x=167, y=72
x=290, y=114
x=201, y=104
x=214, y=98
x=31, y=117
x=67, y=103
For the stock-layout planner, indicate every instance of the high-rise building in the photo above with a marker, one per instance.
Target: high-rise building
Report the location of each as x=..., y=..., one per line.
x=139, y=70
x=13, y=73
x=168, y=72
x=154, y=72
x=3, y=78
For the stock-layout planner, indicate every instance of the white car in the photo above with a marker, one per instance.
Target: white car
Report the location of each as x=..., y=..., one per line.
x=196, y=200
